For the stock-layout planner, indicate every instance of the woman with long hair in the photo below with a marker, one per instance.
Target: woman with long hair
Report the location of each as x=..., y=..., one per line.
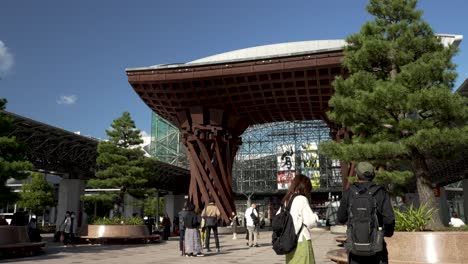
x=299, y=196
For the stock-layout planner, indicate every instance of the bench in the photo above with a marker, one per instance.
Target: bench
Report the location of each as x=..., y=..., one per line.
x=103, y=234
x=14, y=241
x=122, y=239
x=338, y=255
x=340, y=240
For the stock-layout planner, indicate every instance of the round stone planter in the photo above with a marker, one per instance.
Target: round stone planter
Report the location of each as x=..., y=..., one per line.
x=116, y=231
x=428, y=247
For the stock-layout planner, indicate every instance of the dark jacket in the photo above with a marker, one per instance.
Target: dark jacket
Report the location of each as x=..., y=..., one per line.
x=385, y=210
x=182, y=214
x=192, y=220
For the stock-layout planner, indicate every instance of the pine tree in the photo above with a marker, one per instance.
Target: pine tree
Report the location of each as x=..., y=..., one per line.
x=398, y=98
x=120, y=162
x=12, y=163
x=37, y=194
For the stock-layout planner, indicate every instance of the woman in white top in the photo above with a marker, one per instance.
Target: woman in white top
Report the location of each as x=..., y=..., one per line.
x=302, y=215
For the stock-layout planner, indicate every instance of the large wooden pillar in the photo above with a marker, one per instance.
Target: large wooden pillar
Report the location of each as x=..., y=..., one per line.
x=212, y=138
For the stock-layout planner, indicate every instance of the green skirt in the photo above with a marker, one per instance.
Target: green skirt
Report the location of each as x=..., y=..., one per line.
x=303, y=254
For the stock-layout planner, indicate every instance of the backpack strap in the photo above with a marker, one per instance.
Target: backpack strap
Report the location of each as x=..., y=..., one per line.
x=288, y=208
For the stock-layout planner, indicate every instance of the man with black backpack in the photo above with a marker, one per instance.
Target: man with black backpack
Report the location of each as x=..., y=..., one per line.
x=253, y=220
x=367, y=209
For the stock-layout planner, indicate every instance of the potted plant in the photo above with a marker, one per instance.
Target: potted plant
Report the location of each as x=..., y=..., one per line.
x=414, y=243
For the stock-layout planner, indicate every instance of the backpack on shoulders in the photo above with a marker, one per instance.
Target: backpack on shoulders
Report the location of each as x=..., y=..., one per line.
x=284, y=237
x=364, y=235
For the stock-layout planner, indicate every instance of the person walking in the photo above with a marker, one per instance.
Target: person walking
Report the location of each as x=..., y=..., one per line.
x=234, y=224
x=384, y=211
x=192, y=240
x=253, y=221
x=211, y=214
x=66, y=228
x=303, y=217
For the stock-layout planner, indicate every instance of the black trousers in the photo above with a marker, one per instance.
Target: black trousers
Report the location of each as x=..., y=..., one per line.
x=379, y=258
x=208, y=234
x=181, y=240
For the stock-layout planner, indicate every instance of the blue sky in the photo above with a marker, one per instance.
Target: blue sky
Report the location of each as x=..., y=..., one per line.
x=63, y=62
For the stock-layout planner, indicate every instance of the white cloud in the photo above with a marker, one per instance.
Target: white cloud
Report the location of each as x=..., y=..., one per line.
x=144, y=134
x=6, y=59
x=67, y=99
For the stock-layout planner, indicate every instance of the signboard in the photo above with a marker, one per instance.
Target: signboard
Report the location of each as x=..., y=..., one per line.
x=286, y=160
x=311, y=163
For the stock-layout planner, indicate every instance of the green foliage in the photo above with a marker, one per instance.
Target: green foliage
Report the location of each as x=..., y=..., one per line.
x=120, y=161
x=397, y=100
x=454, y=229
x=413, y=219
x=123, y=133
x=116, y=221
x=37, y=194
x=150, y=204
x=12, y=163
x=134, y=221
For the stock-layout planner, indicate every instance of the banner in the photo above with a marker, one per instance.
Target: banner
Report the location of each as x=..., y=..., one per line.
x=286, y=160
x=311, y=163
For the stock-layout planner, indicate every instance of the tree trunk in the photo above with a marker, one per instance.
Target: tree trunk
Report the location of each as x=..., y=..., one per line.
x=425, y=191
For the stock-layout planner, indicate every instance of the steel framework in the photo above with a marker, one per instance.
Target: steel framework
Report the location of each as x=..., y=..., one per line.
x=256, y=163
x=166, y=144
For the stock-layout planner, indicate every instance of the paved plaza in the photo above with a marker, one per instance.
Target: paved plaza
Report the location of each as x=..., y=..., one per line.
x=232, y=251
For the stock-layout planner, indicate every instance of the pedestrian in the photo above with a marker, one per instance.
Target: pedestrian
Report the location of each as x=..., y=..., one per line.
x=182, y=213
x=72, y=228
x=253, y=221
x=166, y=223
x=234, y=223
x=303, y=218
x=246, y=231
x=211, y=214
x=382, y=213
x=455, y=221
x=33, y=232
x=65, y=228
x=202, y=232
x=192, y=240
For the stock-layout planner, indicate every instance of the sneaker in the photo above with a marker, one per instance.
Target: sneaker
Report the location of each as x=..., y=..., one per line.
x=208, y=250
x=256, y=245
x=199, y=254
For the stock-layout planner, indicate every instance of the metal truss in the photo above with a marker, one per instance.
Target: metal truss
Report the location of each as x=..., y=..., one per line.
x=255, y=166
x=53, y=149
x=166, y=143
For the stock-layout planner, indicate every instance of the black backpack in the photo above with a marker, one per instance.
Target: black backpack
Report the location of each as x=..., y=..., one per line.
x=254, y=217
x=284, y=237
x=364, y=235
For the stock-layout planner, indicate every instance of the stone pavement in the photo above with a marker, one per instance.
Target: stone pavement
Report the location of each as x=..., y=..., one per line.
x=232, y=251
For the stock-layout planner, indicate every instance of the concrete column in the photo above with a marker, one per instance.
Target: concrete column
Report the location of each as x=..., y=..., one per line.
x=70, y=191
x=130, y=206
x=173, y=204
x=444, y=208
x=465, y=198
x=156, y=217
